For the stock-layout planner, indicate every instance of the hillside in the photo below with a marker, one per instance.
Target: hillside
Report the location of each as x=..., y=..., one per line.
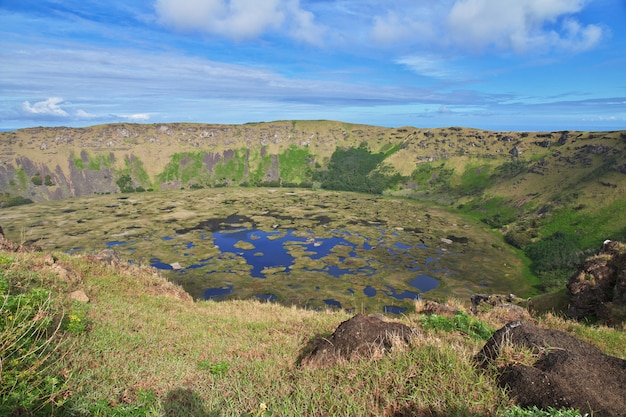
x=53, y=163
x=554, y=195
x=99, y=337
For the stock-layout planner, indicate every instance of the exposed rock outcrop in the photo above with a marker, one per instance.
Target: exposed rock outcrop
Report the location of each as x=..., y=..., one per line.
x=567, y=372
x=598, y=288
x=499, y=306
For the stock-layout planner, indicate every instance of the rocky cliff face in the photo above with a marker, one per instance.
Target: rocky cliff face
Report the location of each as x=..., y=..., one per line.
x=598, y=288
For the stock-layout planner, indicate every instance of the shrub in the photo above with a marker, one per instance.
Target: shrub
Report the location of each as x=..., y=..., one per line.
x=27, y=385
x=125, y=182
x=558, y=251
x=518, y=238
x=36, y=179
x=512, y=168
x=357, y=169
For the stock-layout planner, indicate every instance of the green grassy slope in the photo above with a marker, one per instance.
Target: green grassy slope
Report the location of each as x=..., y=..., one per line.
x=142, y=347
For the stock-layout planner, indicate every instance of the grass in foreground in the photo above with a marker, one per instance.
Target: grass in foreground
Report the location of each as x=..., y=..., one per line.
x=141, y=346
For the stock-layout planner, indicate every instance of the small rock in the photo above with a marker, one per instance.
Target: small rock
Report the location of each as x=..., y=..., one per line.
x=80, y=296
x=63, y=273
x=49, y=260
x=429, y=307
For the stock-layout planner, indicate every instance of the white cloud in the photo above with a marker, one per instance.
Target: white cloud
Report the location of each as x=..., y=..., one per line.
x=138, y=117
x=520, y=25
x=408, y=23
x=82, y=114
x=239, y=19
x=389, y=28
x=429, y=66
x=49, y=107
x=303, y=26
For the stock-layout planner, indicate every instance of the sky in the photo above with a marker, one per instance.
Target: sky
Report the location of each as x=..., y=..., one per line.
x=506, y=65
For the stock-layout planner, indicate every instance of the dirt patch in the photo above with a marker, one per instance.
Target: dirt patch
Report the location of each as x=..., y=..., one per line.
x=361, y=336
x=567, y=373
x=430, y=307
x=499, y=307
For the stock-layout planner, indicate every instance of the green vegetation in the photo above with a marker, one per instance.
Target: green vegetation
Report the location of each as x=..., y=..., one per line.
x=136, y=169
x=475, y=179
x=461, y=322
x=295, y=165
x=511, y=169
x=95, y=162
x=125, y=182
x=29, y=344
x=263, y=163
x=7, y=200
x=537, y=412
x=22, y=178
x=435, y=178
x=133, y=173
x=357, y=169
x=183, y=167
x=230, y=170
x=78, y=162
x=566, y=238
x=36, y=179
x=494, y=212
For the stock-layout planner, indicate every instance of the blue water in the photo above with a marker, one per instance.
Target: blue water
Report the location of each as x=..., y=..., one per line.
x=156, y=263
x=115, y=243
x=272, y=246
x=217, y=292
x=271, y=250
x=369, y=291
x=323, y=247
x=274, y=253
x=394, y=309
x=332, y=303
x=401, y=296
x=424, y=283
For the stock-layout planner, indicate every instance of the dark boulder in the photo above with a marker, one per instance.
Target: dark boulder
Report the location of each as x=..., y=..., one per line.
x=567, y=372
x=360, y=336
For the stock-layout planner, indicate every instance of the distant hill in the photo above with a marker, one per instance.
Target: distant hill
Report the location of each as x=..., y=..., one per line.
x=555, y=195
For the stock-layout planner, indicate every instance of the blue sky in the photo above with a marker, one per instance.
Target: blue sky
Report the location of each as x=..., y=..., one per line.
x=489, y=64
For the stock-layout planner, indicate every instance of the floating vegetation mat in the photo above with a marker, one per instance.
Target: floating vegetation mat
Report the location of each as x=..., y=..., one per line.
x=311, y=248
